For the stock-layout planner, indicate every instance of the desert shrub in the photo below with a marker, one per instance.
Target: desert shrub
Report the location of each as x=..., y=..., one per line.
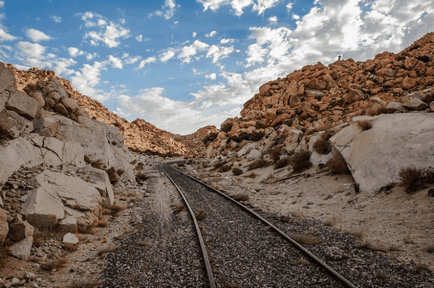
x=364, y=124
x=133, y=162
x=412, y=179
x=225, y=168
x=113, y=176
x=139, y=166
x=87, y=159
x=321, y=146
x=120, y=172
x=242, y=197
x=217, y=165
x=200, y=215
x=275, y=153
x=252, y=175
x=56, y=264
x=237, y=171
x=337, y=164
x=306, y=239
x=179, y=208
x=141, y=177
x=381, y=110
x=282, y=163
x=259, y=163
x=300, y=161
x=113, y=210
x=209, y=138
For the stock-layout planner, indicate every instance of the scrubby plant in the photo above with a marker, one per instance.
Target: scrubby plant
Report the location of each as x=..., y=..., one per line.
x=224, y=168
x=217, y=165
x=141, y=177
x=321, y=146
x=258, y=163
x=113, y=210
x=300, y=161
x=337, y=164
x=364, y=124
x=113, y=176
x=237, y=171
x=251, y=175
x=413, y=179
x=200, y=215
x=120, y=172
x=179, y=208
x=55, y=264
x=282, y=163
x=242, y=197
x=274, y=153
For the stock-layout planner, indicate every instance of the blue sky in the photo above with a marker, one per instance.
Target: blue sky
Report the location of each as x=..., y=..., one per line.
x=182, y=65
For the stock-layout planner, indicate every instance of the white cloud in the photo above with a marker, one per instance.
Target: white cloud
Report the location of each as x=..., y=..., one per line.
x=132, y=60
x=74, y=52
x=91, y=56
x=295, y=16
x=61, y=66
x=56, y=19
x=263, y=5
x=256, y=54
x=166, y=56
x=188, y=51
x=2, y=4
x=101, y=22
x=211, y=34
x=218, y=52
x=237, y=5
x=167, y=10
x=194, y=34
x=115, y=62
x=32, y=54
x=272, y=19
x=211, y=76
x=86, y=81
x=146, y=61
x=226, y=41
x=36, y=35
x=4, y=36
x=139, y=38
x=109, y=36
x=125, y=55
x=289, y=7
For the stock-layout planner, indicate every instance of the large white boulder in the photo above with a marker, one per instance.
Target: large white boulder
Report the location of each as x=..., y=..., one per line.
x=395, y=141
x=102, y=182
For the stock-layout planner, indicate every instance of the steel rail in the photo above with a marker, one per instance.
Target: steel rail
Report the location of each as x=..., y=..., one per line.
x=338, y=276
x=199, y=235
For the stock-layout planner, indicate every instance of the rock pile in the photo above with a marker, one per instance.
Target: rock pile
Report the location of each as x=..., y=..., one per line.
x=139, y=134
x=194, y=142
x=288, y=112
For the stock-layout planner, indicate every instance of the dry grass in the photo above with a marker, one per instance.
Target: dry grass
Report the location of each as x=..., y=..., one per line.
x=237, y=171
x=300, y=161
x=259, y=163
x=413, y=179
x=224, y=168
x=56, y=264
x=364, y=124
x=282, y=163
x=242, y=197
x=330, y=222
x=97, y=164
x=252, y=175
x=372, y=246
x=179, y=208
x=275, y=153
x=85, y=284
x=141, y=177
x=133, y=162
x=107, y=250
x=86, y=229
x=217, y=165
x=71, y=247
x=113, y=176
x=321, y=146
x=113, y=210
x=100, y=223
x=120, y=172
x=337, y=164
x=200, y=215
x=308, y=239
x=356, y=233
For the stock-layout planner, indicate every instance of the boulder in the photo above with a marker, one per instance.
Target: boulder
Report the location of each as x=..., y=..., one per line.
x=393, y=107
x=227, y=125
x=353, y=96
x=74, y=192
x=102, y=182
x=42, y=210
x=254, y=154
x=19, y=229
x=37, y=95
x=12, y=125
x=22, y=249
x=408, y=83
x=292, y=140
x=23, y=104
x=4, y=226
x=70, y=238
x=316, y=84
x=59, y=108
x=395, y=141
x=415, y=104
x=7, y=84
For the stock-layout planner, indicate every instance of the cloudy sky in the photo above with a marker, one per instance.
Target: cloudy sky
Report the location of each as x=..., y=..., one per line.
x=184, y=64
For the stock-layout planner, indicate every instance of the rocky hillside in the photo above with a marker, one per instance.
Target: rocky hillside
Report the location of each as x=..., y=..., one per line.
x=287, y=114
x=194, y=142
x=139, y=134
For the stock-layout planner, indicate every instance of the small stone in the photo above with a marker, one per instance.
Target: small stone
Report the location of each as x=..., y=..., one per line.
x=70, y=238
x=15, y=281
x=30, y=276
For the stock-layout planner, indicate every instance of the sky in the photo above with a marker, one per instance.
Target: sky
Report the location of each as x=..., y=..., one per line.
x=185, y=64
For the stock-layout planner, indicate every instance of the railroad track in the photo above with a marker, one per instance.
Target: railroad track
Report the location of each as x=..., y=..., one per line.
x=242, y=249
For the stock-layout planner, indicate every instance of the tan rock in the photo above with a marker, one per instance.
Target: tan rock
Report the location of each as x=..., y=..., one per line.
x=22, y=249
x=393, y=107
x=410, y=63
x=12, y=125
x=37, y=95
x=415, y=104
x=294, y=101
x=22, y=104
x=4, y=226
x=279, y=119
x=70, y=105
x=19, y=229
x=408, y=83
x=59, y=108
x=264, y=90
x=353, y=96
x=316, y=84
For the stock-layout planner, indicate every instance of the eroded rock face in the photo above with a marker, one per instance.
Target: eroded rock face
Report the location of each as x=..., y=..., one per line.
x=4, y=226
x=12, y=125
x=395, y=141
x=22, y=249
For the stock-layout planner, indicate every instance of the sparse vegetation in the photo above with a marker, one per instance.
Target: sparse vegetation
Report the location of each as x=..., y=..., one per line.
x=120, y=172
x=71, y=247
x=56, y=264
x=225, y=168
x=113, y=176
x=113, y=210
x=217, y=165
x=258, y=163
x=141, y=177
x=321, y=146
x=200, y=215
x=237, y=171
x=282, y=163
x=251, y=175
x=308, y=239
x=300, y=161
x=209, y=138
x=364, y=124
x=107, y=250
x=242, y=197
x=275, y=153
x=415, y=179
x=179, y=208
x=337, y=164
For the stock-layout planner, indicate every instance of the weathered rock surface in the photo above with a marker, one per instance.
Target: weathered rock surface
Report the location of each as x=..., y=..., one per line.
x=70, y=238
x=12, y=125
x=19, y=229
x=22, y=249
x=4, y=226
x=395, y=141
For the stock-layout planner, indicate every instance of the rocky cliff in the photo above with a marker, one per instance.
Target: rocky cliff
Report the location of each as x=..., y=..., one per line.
x=139, y=134
x=194, y=142
x=287, y=114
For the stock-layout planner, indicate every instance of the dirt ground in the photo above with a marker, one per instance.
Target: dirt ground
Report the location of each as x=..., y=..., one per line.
x=394, y=222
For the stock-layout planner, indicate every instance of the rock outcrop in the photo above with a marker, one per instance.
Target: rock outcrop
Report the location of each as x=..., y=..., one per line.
x=194, y=142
